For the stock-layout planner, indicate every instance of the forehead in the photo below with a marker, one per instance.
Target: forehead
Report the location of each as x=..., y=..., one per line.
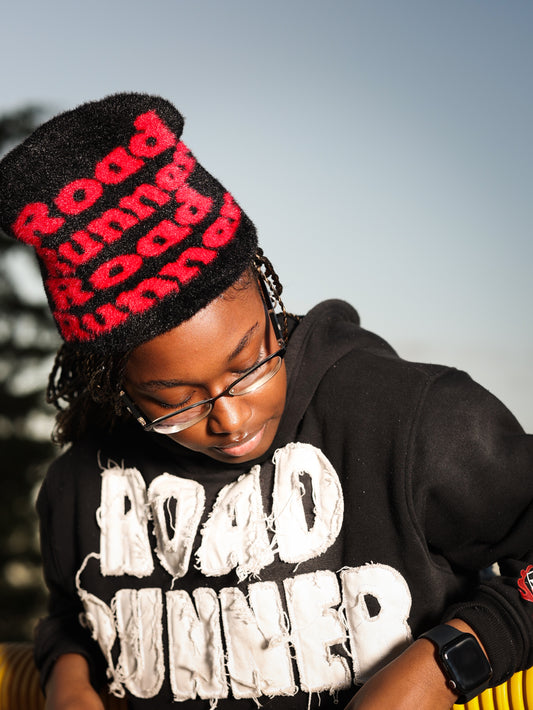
x=206, y=340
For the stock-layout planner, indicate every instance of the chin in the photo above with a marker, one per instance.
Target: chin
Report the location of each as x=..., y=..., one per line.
x=252, y=448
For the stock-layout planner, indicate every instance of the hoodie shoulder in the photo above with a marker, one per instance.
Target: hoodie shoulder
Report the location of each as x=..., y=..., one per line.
x=328, y=332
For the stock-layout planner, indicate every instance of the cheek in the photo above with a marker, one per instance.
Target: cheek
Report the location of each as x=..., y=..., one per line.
x=280, y=394
x=192, y=438
x=270, y=402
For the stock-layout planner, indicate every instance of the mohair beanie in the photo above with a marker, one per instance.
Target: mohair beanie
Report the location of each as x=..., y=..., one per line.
x=133, y=236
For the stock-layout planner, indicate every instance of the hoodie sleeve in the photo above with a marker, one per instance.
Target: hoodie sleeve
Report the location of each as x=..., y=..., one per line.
x=60, y=631
x=473, y=495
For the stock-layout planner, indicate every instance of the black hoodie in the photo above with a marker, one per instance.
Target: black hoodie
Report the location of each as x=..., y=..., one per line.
x=389, y=488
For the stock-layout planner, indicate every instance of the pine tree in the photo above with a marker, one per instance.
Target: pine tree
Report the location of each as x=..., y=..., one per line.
x=28, y=341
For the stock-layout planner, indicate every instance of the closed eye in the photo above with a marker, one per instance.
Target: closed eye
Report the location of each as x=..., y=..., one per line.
x=175, y=405
x=261, y=356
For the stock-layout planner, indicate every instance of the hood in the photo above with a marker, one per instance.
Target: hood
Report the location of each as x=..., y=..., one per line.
x=328, y=332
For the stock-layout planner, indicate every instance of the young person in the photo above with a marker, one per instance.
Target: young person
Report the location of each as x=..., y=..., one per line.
x=254, y=508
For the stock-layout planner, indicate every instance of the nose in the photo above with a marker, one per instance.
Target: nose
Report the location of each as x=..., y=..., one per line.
x=229, y=415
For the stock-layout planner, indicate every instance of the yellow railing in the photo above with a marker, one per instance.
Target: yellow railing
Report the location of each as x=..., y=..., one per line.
x=19, y=681
x=515, y=694
x=19, y=686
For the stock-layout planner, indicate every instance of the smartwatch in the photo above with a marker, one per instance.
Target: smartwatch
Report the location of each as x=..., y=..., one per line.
x=462, y=660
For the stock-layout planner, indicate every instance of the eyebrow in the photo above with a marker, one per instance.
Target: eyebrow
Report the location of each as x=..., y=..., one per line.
x=166, y=384
x=243, y=342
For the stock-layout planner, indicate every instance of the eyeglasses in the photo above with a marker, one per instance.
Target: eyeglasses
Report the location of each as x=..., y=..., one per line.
x=249, y=382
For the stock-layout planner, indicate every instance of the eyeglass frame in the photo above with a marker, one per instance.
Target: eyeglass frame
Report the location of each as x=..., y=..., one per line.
x=148, y=425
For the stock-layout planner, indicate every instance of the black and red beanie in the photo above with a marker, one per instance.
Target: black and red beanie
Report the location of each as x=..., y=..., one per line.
x=133, y=236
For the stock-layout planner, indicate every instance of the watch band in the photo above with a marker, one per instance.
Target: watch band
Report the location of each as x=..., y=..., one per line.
x=462, y=661
x=442, y=634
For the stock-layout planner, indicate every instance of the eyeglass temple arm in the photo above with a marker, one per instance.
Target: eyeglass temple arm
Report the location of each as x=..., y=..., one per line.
x=270, y=310
x=133, y=409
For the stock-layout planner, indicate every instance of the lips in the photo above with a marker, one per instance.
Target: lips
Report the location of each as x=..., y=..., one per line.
x=243, y=447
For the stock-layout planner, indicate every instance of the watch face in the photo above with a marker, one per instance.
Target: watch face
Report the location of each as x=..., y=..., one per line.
x=467, y=664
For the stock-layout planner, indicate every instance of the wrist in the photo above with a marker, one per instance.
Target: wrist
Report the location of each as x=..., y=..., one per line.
x=412, y=680
x=461, y=659
x=429, y=673
x=69, y=684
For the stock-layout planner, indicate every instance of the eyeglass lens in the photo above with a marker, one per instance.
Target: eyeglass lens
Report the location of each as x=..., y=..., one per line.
x=247, y=384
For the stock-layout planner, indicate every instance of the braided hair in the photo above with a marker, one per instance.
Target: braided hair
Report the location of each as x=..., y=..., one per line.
x=84, y=386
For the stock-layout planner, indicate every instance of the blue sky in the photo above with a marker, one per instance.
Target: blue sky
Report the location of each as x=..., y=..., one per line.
x=382, y=147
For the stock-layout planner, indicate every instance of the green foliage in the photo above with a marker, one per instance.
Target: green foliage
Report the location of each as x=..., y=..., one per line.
x=28, y=340
x=17, y=125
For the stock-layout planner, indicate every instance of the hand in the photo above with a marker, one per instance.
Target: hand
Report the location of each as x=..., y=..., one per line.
x=413, y=680
x=69, y=688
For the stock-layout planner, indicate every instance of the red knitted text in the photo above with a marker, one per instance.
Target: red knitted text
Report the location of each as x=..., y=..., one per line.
x=54, y=265
x=154, y=137
x=183, y=268
x=115, y=270
x=193, y=206
x=68, y=292
x=70, y=327
x=34, y=220
x=105, y=319
x=146, y=294
x=80, y=248
x=137, y=202
x=117, y=166
x=166, y=234
x=224, y=227
x=111, y=225
x=172, y=176
x=78, y=195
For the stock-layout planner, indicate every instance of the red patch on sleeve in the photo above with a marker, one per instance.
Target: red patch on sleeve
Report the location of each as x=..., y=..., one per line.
x=525, y=583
